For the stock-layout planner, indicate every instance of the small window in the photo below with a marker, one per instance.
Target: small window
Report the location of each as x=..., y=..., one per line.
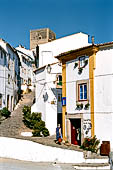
x=29, y=81
x=8, y=78
x=1, y=54
x=0, y=100
x=24, y=71
x=82, y=91
x=81, y=61
x=9, y=61
x=22, y=81
x=59, y=80
x=40, y=37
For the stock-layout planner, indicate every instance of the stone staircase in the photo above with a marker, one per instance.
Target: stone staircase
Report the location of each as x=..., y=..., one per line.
x=13, y=126
x=93, y=161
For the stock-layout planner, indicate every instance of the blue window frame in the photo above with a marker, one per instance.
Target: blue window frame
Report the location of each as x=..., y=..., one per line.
x=82, y=91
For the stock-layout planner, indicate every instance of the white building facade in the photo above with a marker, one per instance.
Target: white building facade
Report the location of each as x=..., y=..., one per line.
x=48, y=96
x=26, y=68
x=88, y=91
x=9, y=76
x=103, y=93
x=49, y=50
x=52, y=113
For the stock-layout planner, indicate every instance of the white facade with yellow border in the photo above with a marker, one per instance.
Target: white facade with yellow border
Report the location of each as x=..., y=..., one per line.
x=89, y=92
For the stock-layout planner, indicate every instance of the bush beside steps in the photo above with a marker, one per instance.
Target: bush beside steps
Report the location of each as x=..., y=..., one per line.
x=5, y=113
x=34, y=122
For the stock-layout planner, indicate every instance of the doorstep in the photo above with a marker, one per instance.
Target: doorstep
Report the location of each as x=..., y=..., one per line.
x=91, y=166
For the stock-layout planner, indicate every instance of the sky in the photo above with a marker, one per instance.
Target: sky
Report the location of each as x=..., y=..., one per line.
x=64, y=17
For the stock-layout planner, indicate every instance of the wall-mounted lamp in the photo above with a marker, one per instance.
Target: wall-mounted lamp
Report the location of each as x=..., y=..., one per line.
x=49, y=68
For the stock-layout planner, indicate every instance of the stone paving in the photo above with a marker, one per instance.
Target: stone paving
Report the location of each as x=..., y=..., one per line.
x=13, y=126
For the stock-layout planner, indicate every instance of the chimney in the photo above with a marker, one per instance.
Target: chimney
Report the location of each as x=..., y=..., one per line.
x=92, y=38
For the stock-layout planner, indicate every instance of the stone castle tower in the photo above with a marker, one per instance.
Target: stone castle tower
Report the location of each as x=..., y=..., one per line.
x=41, y=36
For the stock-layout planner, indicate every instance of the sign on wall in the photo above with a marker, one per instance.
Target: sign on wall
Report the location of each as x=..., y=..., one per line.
x=63, y=101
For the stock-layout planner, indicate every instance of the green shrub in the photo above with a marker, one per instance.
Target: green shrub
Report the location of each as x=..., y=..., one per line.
x=36, y=116
x=5, y=112
x=26, y=117
x=45, y=132
x=26, y=110
x=39, y=132
x=39, y=125
x=90, y=144
x=36, y=133
x=33, y=121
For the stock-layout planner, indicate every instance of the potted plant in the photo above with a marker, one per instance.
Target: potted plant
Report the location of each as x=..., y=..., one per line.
x=91, y=144
x=76, y=64
x=80, y=70
x=87, y=106
x=79, y=106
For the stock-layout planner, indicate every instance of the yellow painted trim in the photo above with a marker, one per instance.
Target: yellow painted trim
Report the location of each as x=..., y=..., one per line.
x=92, y=66
x=63, y=95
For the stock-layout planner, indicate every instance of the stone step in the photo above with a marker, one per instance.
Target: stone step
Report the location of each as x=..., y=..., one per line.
x=97, y=160
x=91, y=166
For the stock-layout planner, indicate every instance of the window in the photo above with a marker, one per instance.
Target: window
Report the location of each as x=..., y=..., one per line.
x=24, y=71
x=24, y=60
x=9, y=61
x=0, y=100
x=8, y=102
x=82, y=91
x=40, y=37
x=29, y=81
x=59, y=80
x=1, y=54
x=8, y=78
x=22, y=81
x=81, y=61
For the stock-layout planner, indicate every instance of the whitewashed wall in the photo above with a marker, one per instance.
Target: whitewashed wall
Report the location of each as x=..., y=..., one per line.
x=51, y=109
x=2, y=78
x=49, y=50
x=26, y=70
x=46, y=92
x=12, y=87
x=103, y=95
x=72, y=77
x=40, y=105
